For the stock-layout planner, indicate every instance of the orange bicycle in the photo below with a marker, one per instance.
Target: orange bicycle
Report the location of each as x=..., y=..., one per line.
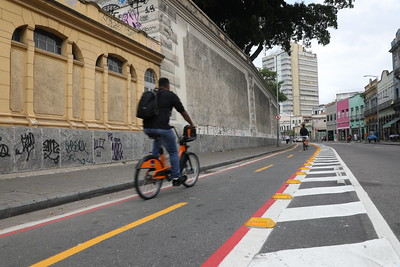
x=151, y=171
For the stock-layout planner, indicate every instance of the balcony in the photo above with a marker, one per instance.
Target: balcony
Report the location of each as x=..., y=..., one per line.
x=357, y=117
x=370, y=112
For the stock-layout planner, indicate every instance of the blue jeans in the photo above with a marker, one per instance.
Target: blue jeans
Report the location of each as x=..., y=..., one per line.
x=168, y=140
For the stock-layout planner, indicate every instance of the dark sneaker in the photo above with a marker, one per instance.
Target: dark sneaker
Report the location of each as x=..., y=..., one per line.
x=176, y=182
x=179, y=181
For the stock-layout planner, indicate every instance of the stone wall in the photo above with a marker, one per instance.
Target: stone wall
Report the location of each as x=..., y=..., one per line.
x=30, y=149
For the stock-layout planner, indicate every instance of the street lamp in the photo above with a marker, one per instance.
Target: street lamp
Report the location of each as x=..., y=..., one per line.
x=277, y=96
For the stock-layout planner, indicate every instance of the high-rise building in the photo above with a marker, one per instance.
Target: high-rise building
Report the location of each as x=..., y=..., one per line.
x=298, y=73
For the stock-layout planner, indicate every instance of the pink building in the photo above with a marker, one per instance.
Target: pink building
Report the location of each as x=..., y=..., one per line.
x=343, y=119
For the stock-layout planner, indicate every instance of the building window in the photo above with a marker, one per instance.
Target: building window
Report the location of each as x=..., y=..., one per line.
x=327, y=117
x=149, y=80
x=47, y=41
x=76, y=53
x=334, y=116
x=347, y=113
x=338, y=115
x=17, y=35
x=99, y=62
x=114, y=64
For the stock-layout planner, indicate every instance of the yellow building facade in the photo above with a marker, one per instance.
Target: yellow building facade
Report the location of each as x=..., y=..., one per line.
x=68, y=64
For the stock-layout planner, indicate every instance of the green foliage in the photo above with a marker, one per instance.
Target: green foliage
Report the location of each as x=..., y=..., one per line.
x=266, y=23
x=270, y=78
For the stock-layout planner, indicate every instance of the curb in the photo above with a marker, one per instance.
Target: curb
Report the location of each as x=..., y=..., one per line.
x=10, y=211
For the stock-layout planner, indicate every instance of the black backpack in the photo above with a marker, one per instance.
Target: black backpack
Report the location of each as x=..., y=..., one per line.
x=148, y=105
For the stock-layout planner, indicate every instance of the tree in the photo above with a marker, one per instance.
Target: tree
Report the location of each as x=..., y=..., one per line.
x=270, y=78
x=266, y=23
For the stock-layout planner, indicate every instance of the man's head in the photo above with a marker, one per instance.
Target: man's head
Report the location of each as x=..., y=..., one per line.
x=303, y=125
x=163, y=83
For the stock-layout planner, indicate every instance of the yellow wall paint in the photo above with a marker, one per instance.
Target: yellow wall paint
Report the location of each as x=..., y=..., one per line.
x=40, y=88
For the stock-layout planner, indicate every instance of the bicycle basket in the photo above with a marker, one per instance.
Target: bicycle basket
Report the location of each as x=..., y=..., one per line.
x=189, y=134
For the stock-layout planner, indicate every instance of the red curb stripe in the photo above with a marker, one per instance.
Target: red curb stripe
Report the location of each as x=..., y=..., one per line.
x=223, y=251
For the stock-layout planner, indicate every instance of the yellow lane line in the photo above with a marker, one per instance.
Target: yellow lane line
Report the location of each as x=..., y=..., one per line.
x=68, y=253
x=269, y=166
x=290, y=156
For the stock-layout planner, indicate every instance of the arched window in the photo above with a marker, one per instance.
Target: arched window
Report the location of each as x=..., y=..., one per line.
x=133, y=72
x=17, y=35
x=99, y=61
x=149, y=80
x=114, y=64
x=76, y=53
x=47, y=41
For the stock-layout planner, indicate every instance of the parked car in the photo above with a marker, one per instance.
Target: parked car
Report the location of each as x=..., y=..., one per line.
x=372, y=137
x=298, y=139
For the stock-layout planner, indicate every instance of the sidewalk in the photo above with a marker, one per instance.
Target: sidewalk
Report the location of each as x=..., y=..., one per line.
x=26, y=192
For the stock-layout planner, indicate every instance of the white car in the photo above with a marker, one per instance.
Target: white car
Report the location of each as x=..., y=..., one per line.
x=298, y=139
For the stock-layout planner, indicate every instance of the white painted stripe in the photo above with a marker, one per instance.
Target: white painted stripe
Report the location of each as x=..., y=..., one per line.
x=336, y=167
x=377, y=252
x=381, y=227
x=247, y=248
x=323, y=211
x=321, y=172
x=326, y=164
x=323, y=190
x=324, y=179
x=252, y=242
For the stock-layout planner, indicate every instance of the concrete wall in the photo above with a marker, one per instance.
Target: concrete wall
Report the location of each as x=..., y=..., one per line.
x=217, y=83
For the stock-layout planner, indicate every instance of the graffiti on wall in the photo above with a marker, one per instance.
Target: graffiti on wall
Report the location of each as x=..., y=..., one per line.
x=116, y=147
x=99, y=146
x=51, y=150
x=4, y=151
x=132, y=12
x=77, y=152
x=131, y=19
x=28, y=144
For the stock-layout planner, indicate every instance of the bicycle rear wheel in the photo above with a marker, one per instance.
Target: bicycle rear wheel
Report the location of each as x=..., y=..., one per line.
x=190, y=167
x=147, y=186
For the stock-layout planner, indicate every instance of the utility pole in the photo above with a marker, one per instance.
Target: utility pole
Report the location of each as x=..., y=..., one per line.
x=277, y=97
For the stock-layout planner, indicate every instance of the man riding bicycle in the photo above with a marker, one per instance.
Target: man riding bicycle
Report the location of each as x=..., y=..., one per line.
x=159, y=125
x=304, y=134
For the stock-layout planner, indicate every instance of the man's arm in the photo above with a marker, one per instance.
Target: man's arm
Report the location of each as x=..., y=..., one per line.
x=187, y=118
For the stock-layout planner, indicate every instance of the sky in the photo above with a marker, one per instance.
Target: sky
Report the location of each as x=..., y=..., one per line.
x=360, y=46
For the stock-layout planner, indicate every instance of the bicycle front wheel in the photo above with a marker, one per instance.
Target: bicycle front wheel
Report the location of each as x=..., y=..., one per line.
x=190, y=167
x=146, y=185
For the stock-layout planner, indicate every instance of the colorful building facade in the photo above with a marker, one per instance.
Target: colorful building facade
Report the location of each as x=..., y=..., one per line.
x=331, y=129
x=357, y=125
x=343, y=119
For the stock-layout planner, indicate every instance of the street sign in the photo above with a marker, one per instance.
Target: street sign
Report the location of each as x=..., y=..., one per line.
x=278, y=117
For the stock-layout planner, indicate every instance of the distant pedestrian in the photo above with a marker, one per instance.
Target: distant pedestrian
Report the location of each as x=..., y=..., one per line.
x=287, y=137
x=355, y=137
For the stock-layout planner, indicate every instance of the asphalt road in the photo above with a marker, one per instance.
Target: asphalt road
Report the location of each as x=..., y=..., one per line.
x=186, y=235
x=377, y=168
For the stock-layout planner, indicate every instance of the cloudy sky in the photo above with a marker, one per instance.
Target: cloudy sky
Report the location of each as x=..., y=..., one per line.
x=358, y=47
